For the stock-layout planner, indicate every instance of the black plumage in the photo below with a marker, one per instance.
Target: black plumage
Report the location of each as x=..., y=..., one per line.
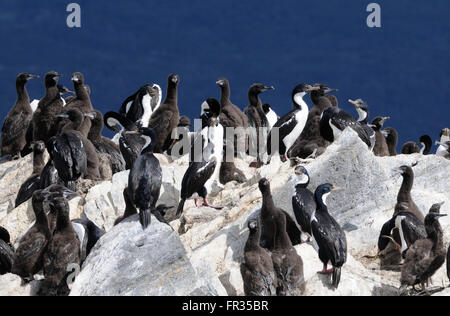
x=287, y=263
x=136, y=106
x=130, y=144
x=198, y=173
x=328, y=235
x=408, y=227
x=363, y=118
x=105, y=145
x=268, y=213
x=91, y=234
x=130, y=209
x=50, y=176
x=257, y=270
x=334, y=121
x=258, y=122
x=63, y=251
x=16, y=123
x=32, y=246
x=303, y=202
x=67, y=151
x=145, y=179
x=6, y=252
x=425, y=256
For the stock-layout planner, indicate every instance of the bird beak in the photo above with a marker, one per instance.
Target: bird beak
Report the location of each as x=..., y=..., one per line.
x=33, y=77
x=57, y=77
x=219, y=82
x=91, y=115
x=310, y=88
x=354, y=103
x=135, y=132
x=442, y=203
x=64, y=115
x=269, y=88
x=337, y=188
x=328, y=90
x=386, y=118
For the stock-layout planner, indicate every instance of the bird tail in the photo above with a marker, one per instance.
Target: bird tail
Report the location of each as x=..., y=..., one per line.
x=181, y=206
x=336, y=277
x=144, y=218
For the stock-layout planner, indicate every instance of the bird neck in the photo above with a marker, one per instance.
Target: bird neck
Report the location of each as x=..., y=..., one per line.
x=149, y=145
x=407, y=184
x=38, y=162
x=282, y=240
x=363, y=116
x=299, y=103
x=253, y=240
x=22, y=93
x=436, y=235
x=51, y=94
x=172, y=94
x=268, y=200
x=254, y=99
x=62, y=221
x=41, y=217
x=81, y=92
x=321, y=202
x=74, y=125
x=225, y=97
x=95, y=133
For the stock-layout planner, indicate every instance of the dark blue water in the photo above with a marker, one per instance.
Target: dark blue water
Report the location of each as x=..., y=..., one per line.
x=401, y=69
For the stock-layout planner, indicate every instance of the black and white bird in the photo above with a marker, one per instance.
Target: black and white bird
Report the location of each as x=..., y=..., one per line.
x=444, y=149
x=404, y=228
x=334, y=121
x=328, y=236
x=6, y=252
x=303, y=201
x=201, y=170
x=88, y=234
x=130, y=144
x=145, y=179
x=140, y=106
x=291, y=125
x=363, y=118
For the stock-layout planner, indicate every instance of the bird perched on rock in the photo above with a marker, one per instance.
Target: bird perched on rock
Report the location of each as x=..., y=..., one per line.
x=391, y=136
x=444, y=137
x=145, y=179
x=268, y=214
x=257, y=120
x=291, y=125
x=62, y=252
x=166, y=117
x=32, y=246
x=328, y=235
x=103, y=144
x=257, y=270
x=303, y=202
x=334, y=121
x=287, y=263
x=16, y=123
x=425, y=256
x=231, y=116
x=363, y=118
x=45, y=123
x=444, y=146
x=380, y=148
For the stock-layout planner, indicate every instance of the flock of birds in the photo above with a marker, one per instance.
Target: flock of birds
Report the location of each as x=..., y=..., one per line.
x=70, y=130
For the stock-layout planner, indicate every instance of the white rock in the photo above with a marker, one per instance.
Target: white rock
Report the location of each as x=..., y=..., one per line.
x=131, y=261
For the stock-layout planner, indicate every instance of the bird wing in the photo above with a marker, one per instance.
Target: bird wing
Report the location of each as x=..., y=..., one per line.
x=61, y=156
x=29, y=248
x=333, y=241
x=78, y=154
x=342, y=120
x=161, y=124
x=6, y=256
x=15, y=126
x=197, y=175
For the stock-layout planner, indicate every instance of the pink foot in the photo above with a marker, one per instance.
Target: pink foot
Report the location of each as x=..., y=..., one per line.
x=326, y=271
x=206, y=203
x=197, y=203
x=284, y=158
